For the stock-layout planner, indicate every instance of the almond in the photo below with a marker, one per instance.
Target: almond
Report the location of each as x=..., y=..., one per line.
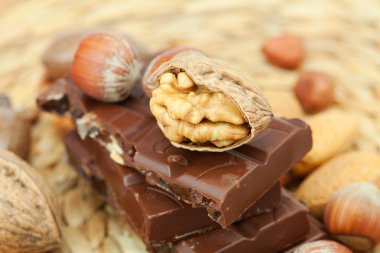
x=350, y=167
x=333, y=132
x=284, y=104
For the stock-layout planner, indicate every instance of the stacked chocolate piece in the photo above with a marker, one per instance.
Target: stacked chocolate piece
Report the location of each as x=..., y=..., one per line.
x=179, y=200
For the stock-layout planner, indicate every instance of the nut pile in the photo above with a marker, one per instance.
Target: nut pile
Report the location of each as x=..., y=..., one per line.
x=329, y=33
x=203, y=104
x=341, y=185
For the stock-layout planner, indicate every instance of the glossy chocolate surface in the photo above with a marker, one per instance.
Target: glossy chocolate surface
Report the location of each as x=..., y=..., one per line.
x=226, y=183
x=266, y=233
x=156, y=216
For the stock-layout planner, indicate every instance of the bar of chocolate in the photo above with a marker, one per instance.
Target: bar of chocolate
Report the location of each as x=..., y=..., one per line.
x=156, y=216
x=267, y=233
x=226, y=183
x=316, y=233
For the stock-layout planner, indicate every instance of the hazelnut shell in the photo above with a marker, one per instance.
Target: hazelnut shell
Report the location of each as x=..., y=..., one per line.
x=354, y=213
x=326, y=246
x=106, y=66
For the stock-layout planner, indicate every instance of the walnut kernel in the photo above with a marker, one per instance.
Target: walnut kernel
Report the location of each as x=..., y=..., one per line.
x=190, y=113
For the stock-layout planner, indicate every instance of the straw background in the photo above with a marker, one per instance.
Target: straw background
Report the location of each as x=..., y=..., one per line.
x=342, y=38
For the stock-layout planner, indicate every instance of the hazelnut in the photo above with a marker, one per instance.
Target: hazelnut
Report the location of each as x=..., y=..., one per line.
x=164, y=57
x=315, y=91
x=326, y=246
x=352, y=215
x=106, y=66
x=284, y=51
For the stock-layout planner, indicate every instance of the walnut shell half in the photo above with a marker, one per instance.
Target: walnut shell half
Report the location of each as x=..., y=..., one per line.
x=204, y=104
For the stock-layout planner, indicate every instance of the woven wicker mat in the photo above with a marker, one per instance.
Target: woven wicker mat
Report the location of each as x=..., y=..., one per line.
x=342, y=39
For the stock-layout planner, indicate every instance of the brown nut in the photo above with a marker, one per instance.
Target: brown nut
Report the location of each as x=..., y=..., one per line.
x=315, y=91
x=58, y=57
x=333, y=132
x=205, y=105
x=15, y=130
x=29, y=218
x=352, y=215
x=284, y=104
x=106, y=66
x=343, y=169
x=284, y=51
x=325, y=246
x=164, y=57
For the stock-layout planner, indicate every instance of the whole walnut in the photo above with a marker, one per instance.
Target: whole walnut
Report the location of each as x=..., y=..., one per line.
x=29, y=215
